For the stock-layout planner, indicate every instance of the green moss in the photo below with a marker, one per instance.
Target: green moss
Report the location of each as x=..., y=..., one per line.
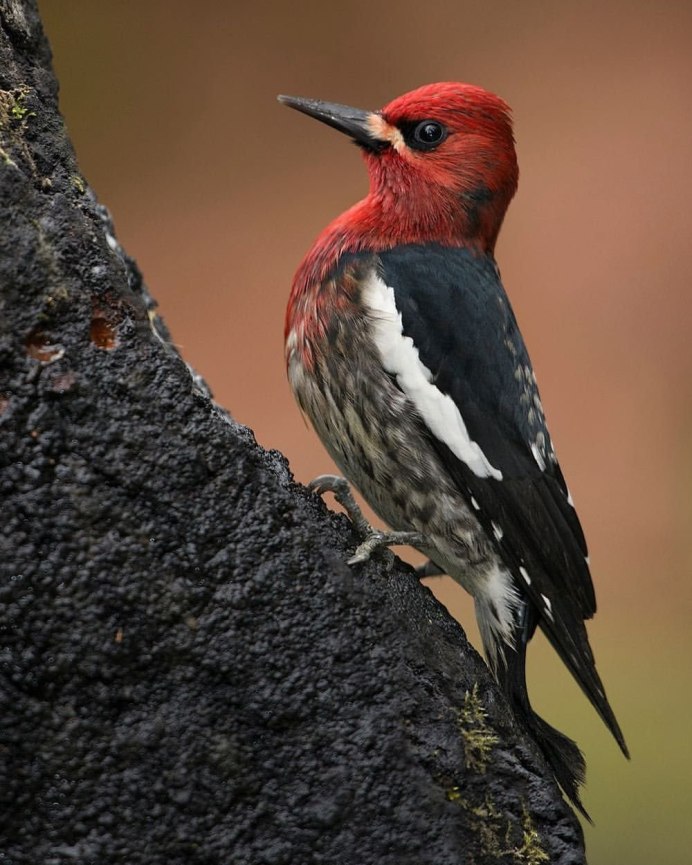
x=13, y=106
x=453, y=794
x=494, y=831
x=487, y=823
x=500, y=836
x=531, y=851
x=14, y=117
x=19, y=111
x=479, y=739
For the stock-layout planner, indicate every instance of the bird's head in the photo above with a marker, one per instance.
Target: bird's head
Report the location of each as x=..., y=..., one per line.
x=441, y=161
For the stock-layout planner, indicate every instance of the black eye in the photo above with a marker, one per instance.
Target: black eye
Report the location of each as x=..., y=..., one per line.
x=424, y=135
x=428, y=132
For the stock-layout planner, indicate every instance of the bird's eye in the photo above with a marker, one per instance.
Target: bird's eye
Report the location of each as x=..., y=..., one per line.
x=424, y=135
x=428, y=132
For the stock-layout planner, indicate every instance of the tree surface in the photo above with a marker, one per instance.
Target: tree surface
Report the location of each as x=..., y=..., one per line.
x=189, y=673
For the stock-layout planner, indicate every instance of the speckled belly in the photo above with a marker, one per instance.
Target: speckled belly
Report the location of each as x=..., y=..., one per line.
x=374, y=435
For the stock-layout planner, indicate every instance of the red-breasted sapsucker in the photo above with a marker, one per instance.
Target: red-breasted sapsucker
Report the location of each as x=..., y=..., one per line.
x=403, y=350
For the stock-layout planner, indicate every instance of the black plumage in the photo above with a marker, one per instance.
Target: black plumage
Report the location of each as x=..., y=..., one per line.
x=454, y=308
x=454, y=311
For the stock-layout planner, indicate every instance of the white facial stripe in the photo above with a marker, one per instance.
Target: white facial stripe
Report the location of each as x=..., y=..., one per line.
x=383, y=131
x=400, y=358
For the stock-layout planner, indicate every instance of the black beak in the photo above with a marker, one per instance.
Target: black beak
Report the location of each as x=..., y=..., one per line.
x=352, y=121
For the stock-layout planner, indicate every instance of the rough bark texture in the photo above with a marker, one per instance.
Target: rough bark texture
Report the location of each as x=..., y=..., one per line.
x=188, y=671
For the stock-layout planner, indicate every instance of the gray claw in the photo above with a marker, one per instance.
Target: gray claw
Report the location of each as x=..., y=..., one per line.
x=342, y=493
x=378, y=540
x=373, y=539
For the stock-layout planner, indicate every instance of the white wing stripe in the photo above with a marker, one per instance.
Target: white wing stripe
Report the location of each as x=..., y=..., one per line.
x=400, y=358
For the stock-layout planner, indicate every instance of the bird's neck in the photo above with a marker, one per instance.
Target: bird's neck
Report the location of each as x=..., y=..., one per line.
x=395, y=217
x=384, y=219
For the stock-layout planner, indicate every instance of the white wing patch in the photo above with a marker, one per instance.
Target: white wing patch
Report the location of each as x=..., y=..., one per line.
x=401, y=358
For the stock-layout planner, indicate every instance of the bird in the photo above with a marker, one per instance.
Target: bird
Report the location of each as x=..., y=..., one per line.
x=403, y=351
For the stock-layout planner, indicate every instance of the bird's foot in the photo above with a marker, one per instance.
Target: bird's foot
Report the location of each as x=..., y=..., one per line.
x=377, y=540
x=373, y=539
x=342, y=493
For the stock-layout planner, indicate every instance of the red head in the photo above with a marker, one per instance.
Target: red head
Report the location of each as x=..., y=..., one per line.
x=442, y=168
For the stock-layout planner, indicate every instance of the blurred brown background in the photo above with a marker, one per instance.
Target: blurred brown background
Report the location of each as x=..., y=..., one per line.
x=218, y=191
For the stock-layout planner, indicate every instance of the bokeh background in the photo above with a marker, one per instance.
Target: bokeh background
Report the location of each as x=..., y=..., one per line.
x=217, y=191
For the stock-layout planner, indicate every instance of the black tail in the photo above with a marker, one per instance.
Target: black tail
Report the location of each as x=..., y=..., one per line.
x=578, y=659
x=561, y=753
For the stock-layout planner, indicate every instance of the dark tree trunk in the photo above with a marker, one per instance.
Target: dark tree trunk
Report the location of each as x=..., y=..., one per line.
x=189, y=673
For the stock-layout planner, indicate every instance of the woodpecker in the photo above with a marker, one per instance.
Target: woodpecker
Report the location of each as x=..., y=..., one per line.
x=403, y=351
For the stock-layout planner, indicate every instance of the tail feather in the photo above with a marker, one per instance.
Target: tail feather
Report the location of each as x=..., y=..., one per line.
x=561, y=753
x=581, y=665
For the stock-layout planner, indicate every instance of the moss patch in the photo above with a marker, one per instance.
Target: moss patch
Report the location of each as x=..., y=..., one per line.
x=479, y=739
x=531, y=851
x=14, y=118
x=498, y=835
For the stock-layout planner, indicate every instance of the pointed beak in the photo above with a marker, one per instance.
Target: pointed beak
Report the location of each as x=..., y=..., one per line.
x=351, y=121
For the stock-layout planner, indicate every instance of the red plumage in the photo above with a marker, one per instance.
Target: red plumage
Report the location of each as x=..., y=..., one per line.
x=455, y=196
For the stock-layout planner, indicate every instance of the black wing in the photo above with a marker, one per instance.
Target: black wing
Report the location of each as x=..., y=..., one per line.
x=455, y=309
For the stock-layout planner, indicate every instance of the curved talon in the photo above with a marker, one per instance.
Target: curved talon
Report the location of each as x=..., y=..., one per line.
x=373, y=539
x=327, y=484
x=377, y=540
x=342, y=493
x=364, y=550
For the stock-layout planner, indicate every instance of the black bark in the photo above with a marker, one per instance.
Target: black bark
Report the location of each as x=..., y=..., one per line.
x=189, y=673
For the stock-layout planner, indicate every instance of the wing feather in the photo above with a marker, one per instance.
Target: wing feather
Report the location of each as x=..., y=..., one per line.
x=450, y=302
